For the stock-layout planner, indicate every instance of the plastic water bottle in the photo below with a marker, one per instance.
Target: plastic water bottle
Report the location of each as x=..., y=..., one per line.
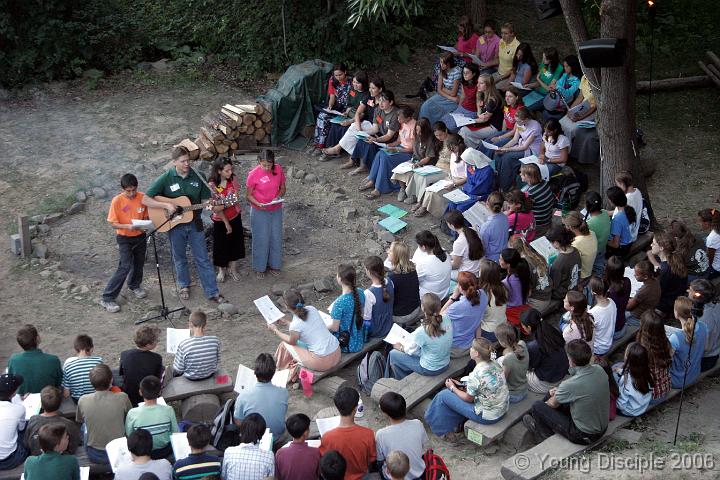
x=360, y=412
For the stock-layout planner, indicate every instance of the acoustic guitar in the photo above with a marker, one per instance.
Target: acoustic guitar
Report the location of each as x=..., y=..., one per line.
x=160, y=215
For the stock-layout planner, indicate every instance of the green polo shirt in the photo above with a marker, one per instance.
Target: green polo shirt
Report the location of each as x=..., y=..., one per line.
x=52, y=465
x=38, y=369
x=588, y=394
x=172, y=185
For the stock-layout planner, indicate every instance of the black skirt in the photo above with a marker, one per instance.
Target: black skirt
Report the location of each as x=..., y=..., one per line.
x=228, y=248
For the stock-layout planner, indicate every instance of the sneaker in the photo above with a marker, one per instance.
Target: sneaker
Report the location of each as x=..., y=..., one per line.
x=139, y=292
x=110, y=306
x=401, y=195
x=410, y=200
x=529, y=423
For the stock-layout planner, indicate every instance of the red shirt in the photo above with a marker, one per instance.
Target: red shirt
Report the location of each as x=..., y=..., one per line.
x=331, y=86
x=525, y=225
x=231, y=187
x=469, y=97
x=509, y=115
x=467, y=46
x=297, y=461
x=357, y=446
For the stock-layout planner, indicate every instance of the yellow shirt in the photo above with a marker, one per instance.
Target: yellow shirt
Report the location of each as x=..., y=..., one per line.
x=587, y=246
x=506, y=52
x=587, y=91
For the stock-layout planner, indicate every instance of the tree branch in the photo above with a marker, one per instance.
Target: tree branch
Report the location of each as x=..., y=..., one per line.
x=579, y=33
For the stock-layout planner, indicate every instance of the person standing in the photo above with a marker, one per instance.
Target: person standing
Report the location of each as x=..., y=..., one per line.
x=132, y=242
x=265, y=184
x=181, y=180
x=228, y=236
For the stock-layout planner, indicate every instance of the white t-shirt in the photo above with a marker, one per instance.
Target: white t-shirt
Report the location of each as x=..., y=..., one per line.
x=434, y=275
x=552, y=150
x=635, y=200
x=604, y=320
x=12, y=419
x=314, y=333
x=713, y=241
x=457, y=169
x=461, y=249
x=161, y=468
x=494, y=315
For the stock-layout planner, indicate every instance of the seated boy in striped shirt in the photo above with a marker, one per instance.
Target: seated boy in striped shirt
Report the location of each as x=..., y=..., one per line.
x=76, y=370
x=197, y=357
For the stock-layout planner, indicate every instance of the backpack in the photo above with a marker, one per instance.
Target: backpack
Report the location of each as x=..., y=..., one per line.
x=370, y=370
x=568, y=188
x=435, y=468
x=224, y=432
x=644, y=218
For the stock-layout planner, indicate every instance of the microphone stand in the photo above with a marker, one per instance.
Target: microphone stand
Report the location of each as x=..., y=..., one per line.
x=164, y=311
x=696, y=312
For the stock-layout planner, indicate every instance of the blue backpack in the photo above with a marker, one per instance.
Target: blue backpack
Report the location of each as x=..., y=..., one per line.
x=370, y=370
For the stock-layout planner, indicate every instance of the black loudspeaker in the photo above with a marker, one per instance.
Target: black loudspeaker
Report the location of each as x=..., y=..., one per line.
x=603, y=52
x=547, y=8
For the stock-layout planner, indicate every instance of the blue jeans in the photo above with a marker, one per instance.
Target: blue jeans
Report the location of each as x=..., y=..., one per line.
x=18, y=456
x=96, y=455
x=382, y=167
x=267, y=238
x=435, y=107
x=180, y=237
x=400, y=365
x=621, y=332
x=447, y=411
x=450, y=121
x=631, y=320
x=507, y=166
x=599, y=264
x=518, y=397
x=489, y=335
x=130, y=265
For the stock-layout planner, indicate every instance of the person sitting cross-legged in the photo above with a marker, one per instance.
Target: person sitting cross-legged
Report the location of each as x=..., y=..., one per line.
x=578, y=408
x=197, y=357
x=140, y=443
x=157, y=419
x=198, y=464
x=52, y=463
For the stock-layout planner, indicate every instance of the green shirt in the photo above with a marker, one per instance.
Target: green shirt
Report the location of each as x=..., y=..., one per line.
x=159, y=420
x=172, y=185
x=52, y=465
x=600, y=224
x=356, y=98
x=547, y=76
x=38, y=370
x=588, y=394
x=517, y=369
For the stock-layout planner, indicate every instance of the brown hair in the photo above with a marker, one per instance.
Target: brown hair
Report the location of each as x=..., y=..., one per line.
x=146, y=336
x=50, y=399
x=83, y=343
x=50, y=435
x=467, y=27
x=179, y=151
x=448, y=59
x=295, y=303
x=711, y=216
x=348, y=277
x=468, y=283
x=267, y=155
x=495, y=202
x=624, y=178
x=490, y=93
x=398, y=464
x=598, y=286
x=652, y=336
x=532, y=172
x=534, y=259
x=27, y=337
x=683, y=312
x=198, y=319
x=431, y=306
x=574, y=221
x=517, y=196
x=580, y=315
x=101, y=377
x=645, y=268
x=507, y=335
x=376, y=269
x=684, y=237
x=508, y=26
x=674, y=258
x=491, y=282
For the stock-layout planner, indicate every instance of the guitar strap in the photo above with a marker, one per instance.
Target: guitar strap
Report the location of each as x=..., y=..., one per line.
x=198, y=217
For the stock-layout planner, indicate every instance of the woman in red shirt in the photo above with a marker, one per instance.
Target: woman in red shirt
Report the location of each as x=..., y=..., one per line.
x=228, y=237
x=468, y=97
x=520, y=215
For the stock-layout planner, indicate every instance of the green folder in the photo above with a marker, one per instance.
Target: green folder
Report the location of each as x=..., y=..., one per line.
x=392, y=211
x=392, y=224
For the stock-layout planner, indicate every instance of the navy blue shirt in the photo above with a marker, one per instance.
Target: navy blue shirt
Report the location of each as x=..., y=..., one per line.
x=196, y=466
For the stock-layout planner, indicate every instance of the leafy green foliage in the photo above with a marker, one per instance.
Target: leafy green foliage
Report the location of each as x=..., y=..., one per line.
x=381, y=9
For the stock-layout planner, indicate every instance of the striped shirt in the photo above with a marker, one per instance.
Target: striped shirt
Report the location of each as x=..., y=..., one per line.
x=543, y=203
x=451, y=76
x=197, y=466
x=158, y=420
x=247, y=462
x=197, y=358
x=76, y=375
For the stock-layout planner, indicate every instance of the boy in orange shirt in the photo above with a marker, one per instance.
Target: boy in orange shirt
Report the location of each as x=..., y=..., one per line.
x=124, y=208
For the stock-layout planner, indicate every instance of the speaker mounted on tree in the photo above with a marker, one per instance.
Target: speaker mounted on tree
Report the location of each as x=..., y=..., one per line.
x=603, y=52
x=547, y=8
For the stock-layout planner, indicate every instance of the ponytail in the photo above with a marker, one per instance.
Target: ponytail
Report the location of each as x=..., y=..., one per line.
x=711, y=216
x=376, y=269
x=495, y=202
x=295, y=303
x=507, y=335
x=631, y=214
x=426, y=239
x=475, y=247
x=683, y=312
x=674, y=257
x=433, y=320
x=468, y=284
x=348, y=277
x=579, y=315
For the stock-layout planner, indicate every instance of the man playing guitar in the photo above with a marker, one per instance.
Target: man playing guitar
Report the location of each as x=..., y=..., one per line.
x=184, y=181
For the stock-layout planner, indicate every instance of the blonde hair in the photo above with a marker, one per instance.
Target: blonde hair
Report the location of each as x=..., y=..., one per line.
x=532, y=172
x=574, y=221
x=683, y=312
x=401, y=257
x=490, y=93
x=483, y=347
x=536, y=261
x=431, y=306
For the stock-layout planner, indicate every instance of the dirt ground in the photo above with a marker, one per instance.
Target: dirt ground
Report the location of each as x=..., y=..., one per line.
x=61, y=139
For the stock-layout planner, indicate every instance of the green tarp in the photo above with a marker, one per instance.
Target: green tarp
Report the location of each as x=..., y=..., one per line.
x=292, y=99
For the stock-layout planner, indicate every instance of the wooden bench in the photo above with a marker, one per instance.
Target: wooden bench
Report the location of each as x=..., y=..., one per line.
x=558, y=447
x=620, y=343
x=638, y=249
x=180, y=388
x=68, y=408
x=415, y=387
x=347, y=358
x=484, y=435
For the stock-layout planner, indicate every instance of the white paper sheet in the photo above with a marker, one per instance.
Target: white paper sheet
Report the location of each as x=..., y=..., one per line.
x=274, y=202
x=519, y=85
x=476, y=60
x=266, y=442
x=439, y=185
x=309, y=443
x=32, y=405
x=477, y=214
x=268, y=309
x=489, y=146
x=448, y=49
x=334, y=112
x=160, y=401
x=326, y=318
x=428, y=170
x=462, y=120
x=174, y=337
x=84, y=473
x=142, y=223
x=327, y=424
x=180, y=445
x=456, y=196
x=634, y=284
x=397, y=334
x=404, y=167
x=544, y=172
x=118, y=453
x=543, y=246
x=245, y=378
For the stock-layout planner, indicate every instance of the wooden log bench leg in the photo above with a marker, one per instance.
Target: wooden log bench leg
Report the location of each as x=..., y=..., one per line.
x=200, y=408
x=330, y=385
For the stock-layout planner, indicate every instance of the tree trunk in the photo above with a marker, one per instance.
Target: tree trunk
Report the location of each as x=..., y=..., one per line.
x=477, y=11
x=578, y=33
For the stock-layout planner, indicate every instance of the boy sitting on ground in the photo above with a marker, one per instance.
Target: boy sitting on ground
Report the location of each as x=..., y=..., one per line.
x=138, y=363
x=578, y=408
x=197, y=357
x=398, y=466
x=103, y=413
x=52, y=463
x=76, y=370
x=12, y=449
x=264, y=398
x=140, y=444
x=297, y=461
x=198, y=464
x=355, y=443
x=50, y=399
x=157, y=419
x=38, y=369
x=406, y=436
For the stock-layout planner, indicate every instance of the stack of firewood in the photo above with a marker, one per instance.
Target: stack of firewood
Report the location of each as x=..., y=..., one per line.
x=235, y=129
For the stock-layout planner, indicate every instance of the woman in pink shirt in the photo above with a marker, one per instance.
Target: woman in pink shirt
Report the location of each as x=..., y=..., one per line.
x=520, y=215
x=265, y=190
x=487, y=48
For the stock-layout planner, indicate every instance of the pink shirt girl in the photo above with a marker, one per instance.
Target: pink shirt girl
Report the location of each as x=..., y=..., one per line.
x=265, y=186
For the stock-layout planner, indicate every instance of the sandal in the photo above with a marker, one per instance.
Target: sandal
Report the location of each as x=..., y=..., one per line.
x=273, y=272
x=372, y=195
x=185, y=293
x=365, y=186
x=420, y=212
x=219, y=299
x=327, y=153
